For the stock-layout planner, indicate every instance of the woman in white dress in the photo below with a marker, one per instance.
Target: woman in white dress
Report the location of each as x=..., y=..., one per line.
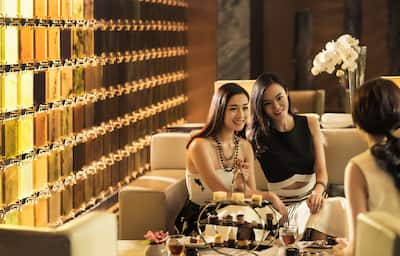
x=218, y=157
x=372, y=178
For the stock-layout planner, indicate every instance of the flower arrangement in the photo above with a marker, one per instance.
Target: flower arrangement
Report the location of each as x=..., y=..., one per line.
x=157, y=237
x=340, y=55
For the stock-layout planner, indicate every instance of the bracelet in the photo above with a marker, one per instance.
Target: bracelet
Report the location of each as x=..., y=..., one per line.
x=322, y=184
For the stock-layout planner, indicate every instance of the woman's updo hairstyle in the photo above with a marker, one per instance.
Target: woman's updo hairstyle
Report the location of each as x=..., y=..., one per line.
x=376, y=110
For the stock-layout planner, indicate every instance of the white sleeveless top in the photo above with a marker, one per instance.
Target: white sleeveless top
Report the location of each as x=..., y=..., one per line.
x=382, y=192
x=198, y=190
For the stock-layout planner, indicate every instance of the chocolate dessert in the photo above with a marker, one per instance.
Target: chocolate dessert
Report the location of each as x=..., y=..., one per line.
x=227, y=220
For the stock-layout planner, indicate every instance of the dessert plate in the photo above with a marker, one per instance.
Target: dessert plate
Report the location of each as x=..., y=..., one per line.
x=200, y=244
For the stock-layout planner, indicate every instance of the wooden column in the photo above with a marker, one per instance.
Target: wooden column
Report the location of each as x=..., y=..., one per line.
x=256, y=38
x=352, y=17
x=394, y=36
x=302, y=49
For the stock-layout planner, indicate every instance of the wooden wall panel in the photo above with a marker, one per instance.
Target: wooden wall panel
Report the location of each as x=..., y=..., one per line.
x=202, y=58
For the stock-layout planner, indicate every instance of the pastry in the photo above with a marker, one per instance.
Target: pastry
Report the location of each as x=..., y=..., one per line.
x=213, y=219
x=231, y=239
x=218, y=241
x=227, y=220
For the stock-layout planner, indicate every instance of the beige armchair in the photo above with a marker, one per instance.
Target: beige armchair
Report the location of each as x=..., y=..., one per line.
x=93, y=234
x=154, y=200
x=304, y=101
x=378, y=233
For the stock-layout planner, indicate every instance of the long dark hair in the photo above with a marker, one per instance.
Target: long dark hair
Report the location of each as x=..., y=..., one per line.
x=215, y=120
x=376, y=110
x=260, y=125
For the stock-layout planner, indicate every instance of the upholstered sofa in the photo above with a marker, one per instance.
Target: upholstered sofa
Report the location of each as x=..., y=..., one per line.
x=378, y=233
x=154, y=200
x=94, y=234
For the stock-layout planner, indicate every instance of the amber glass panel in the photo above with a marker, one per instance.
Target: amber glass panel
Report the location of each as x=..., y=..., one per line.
x=77, y=9
x=67, y=200
x=88, y=9
x=78, y=157
x=40, y=44
x=54, y=209
x=66, y=9
x=89, y=187
x=78, y=43
x=66, y=161
x=66, y=43
x=99, y=177
x=53, y=84
x=67, y=122
x=25, y=89
x=78, y=193
x=26, y=215
x=10, y=137
x=9, y=41
x=40, y=129
x=41, y=212
x=89, y=42
x=11, y=185
x=25, y=8
x=9, y=91
x=40, y=172
x=40, y=9
x=25, y=133
x=9, y=8
x=53, y=35
x=53, y=9
x=66, y=82
x=78, y=81
x=54, y=166
x=54, y=124
x=25, y=179
x=12, y=217
x=39, y=88
x=26, y=52
x=2, y=203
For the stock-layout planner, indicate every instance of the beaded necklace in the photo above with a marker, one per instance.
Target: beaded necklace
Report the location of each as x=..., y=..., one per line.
x=221, y=156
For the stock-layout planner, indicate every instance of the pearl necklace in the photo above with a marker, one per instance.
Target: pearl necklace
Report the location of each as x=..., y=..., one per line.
x=221, y=156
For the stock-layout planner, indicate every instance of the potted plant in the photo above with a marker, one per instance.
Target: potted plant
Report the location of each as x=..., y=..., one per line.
x=156, y=240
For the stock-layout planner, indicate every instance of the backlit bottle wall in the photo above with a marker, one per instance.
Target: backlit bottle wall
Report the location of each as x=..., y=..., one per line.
x=83, y=84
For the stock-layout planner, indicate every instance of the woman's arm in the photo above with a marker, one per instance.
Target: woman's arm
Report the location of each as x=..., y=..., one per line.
x=316, y=199
x=200, y=160
x=251, y=183
x=356, y=192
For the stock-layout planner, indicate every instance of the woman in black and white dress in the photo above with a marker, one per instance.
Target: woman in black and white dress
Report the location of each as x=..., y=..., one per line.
x=290, y=151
